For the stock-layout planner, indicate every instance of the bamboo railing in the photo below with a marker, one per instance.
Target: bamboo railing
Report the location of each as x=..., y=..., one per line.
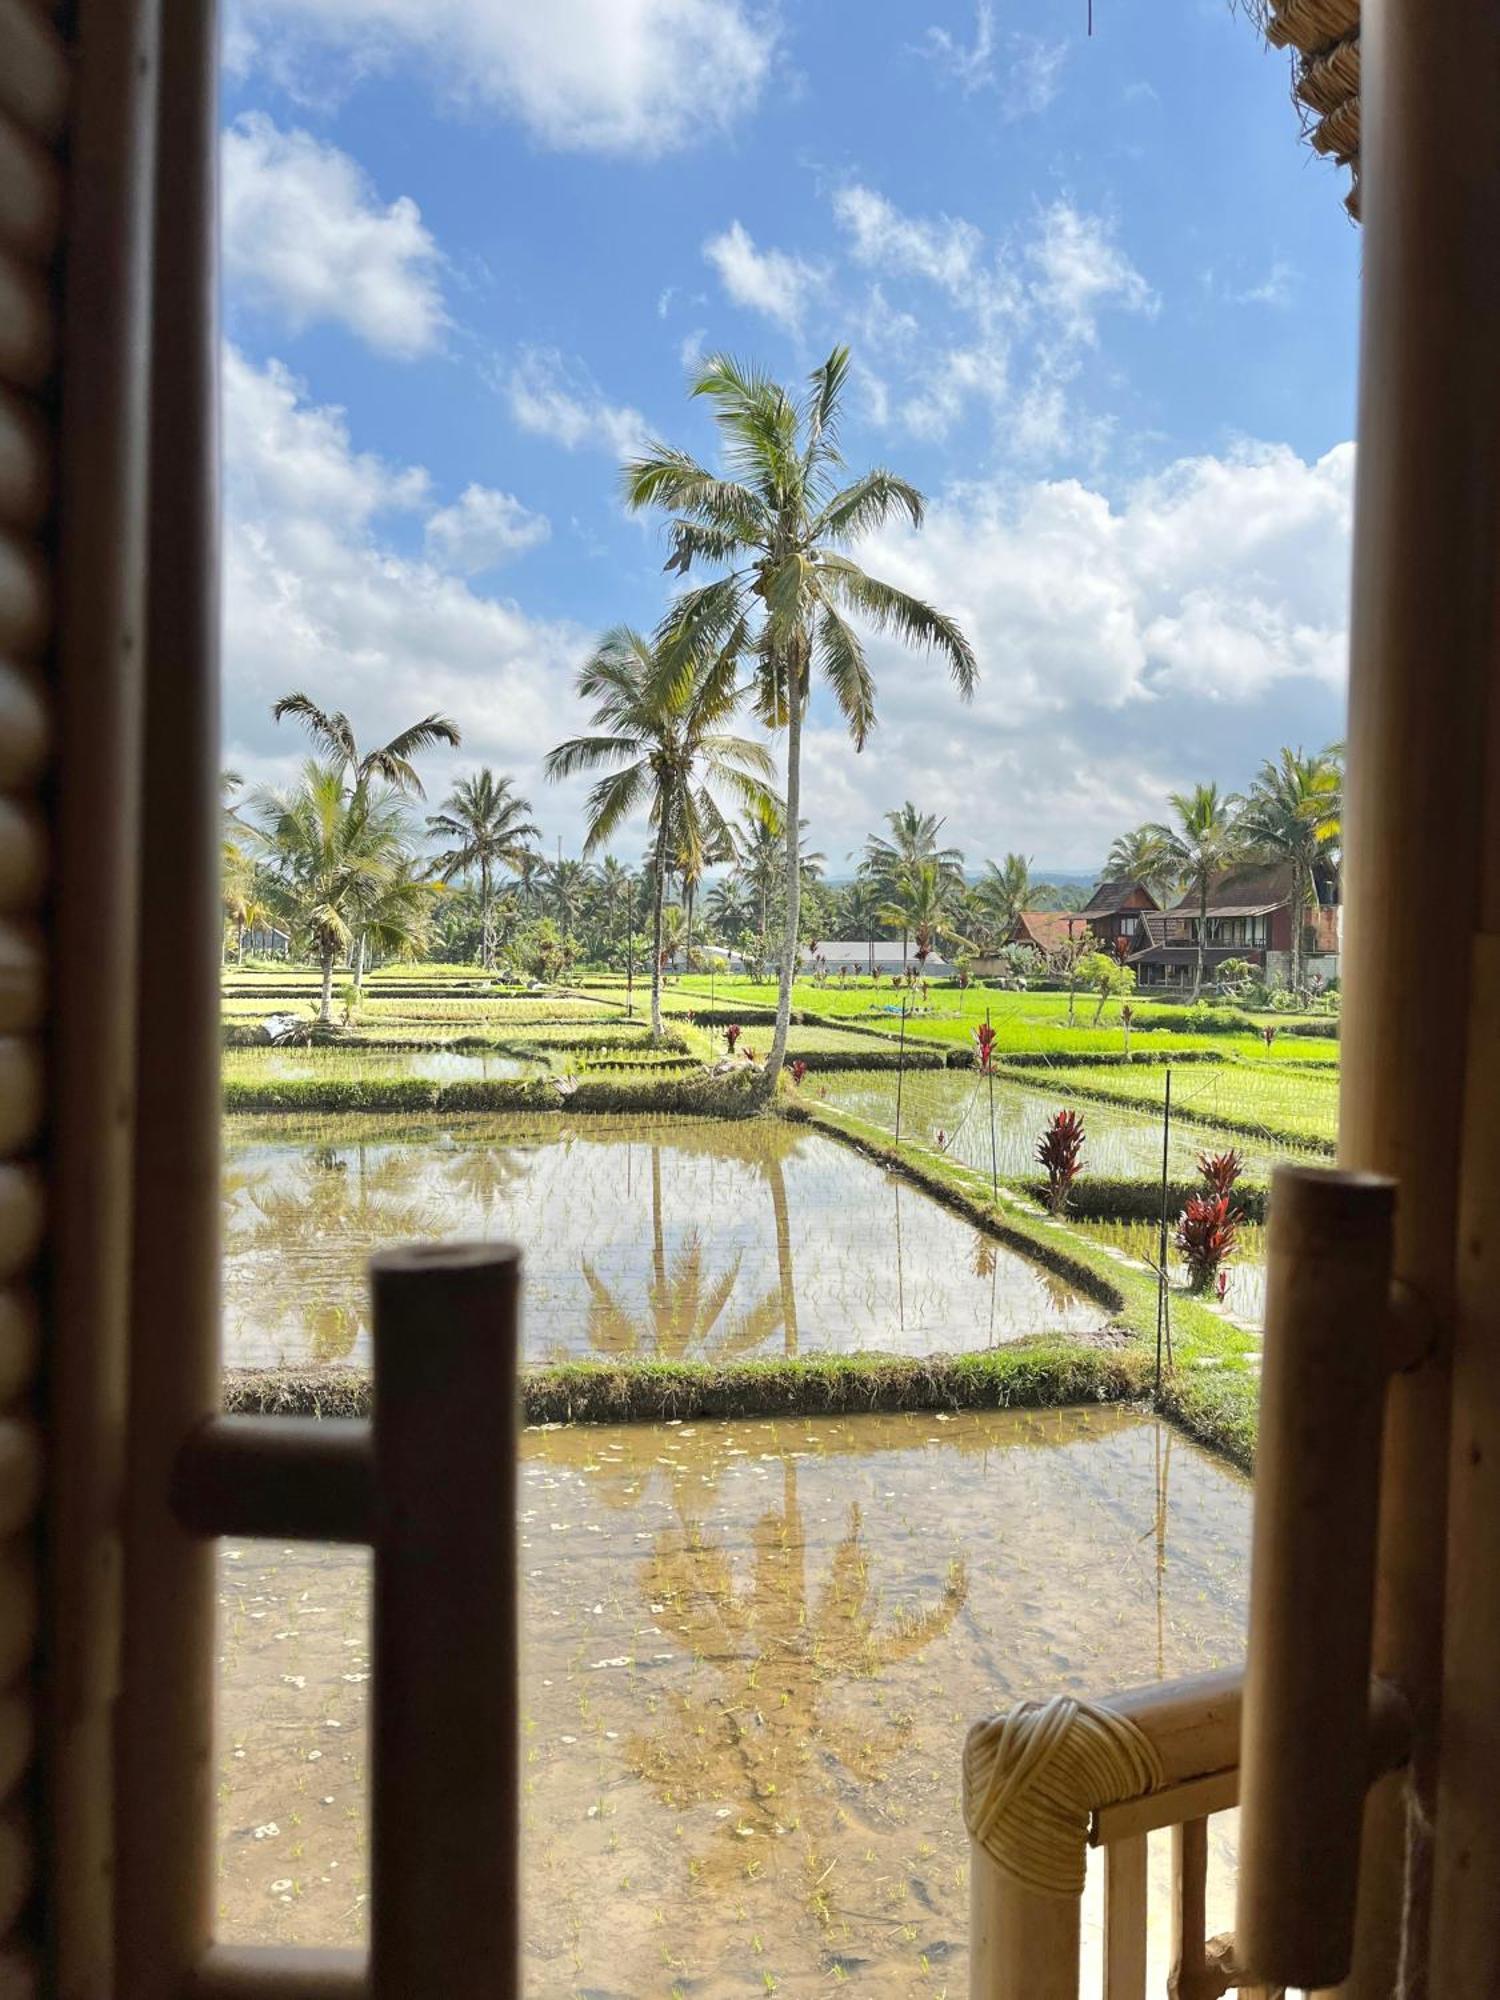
x=1026, y=1941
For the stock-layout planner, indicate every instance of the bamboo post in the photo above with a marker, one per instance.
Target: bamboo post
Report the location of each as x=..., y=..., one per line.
x=1427, y=525
x=1125, y=1913
x=1022, y=1945
x=1161, y=1242
x=445, y=1762
x=1305, y=1754
x=900, y=1069
x=164, y=1759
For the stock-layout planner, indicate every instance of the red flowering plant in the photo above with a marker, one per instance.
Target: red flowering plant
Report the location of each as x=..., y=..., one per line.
x=1060, y=1152
x=984, y=1035
x=1220, y=1171
x=1269, y=1035
x=799, y=1070
x=732, y=1034
x=1207, y=1231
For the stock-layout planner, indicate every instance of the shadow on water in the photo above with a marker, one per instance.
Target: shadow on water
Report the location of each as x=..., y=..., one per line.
x=751, y=1651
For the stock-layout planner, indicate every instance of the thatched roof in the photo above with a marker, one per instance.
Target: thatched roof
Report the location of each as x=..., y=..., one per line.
x=1323, y=36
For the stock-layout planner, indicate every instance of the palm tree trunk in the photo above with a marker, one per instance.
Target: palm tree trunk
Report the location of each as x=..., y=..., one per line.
x=486, y=921
x=1202, y=937
x=1300, y=901
x=657, y=892
x=239, y=945
x=359, y=963
x=793, y=873
x=325, y=1011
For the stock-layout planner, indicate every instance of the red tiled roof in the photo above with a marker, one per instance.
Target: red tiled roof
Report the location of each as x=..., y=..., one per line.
x=1048, y=930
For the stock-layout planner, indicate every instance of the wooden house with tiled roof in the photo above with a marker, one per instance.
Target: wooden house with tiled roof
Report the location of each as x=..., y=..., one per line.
x=1114, y=912
x=1250, y=917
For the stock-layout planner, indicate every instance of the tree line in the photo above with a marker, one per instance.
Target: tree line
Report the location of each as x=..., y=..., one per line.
x=347, y=865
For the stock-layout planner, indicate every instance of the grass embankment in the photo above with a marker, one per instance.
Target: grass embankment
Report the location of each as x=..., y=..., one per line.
x=1296, y=1108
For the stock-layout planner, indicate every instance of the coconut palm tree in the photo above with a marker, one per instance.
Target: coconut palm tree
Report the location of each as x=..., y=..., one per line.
x=484, y=822
x=922, y=904
x=778, y=526
x=329, y=855
x=660, y=713
x=913, y=837
x=333, y=734
x=396, y=917
x=1141, y=856
x=1293, y=815
x=1002, y=892
x=565, y=890
x=1202, y=844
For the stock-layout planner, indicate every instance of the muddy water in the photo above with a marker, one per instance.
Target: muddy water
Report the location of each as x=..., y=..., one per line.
x=751, y=1653
x=1118, y=1142
x=697, y=1239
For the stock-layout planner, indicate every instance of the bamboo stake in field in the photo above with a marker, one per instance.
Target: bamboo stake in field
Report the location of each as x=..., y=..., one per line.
x=900, y=1070
x=1162, y=1330
x=989, y=1065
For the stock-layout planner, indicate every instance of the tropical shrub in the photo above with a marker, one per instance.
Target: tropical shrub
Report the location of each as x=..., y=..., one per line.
x=1060, y=1154
x=1220, y=1171
x=1207, y=1231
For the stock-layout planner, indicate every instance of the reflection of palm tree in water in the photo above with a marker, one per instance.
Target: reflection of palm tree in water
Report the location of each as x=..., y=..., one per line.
x=321, y=1223
x=762, y=1743
x=487, y=1172
x=683, y=1305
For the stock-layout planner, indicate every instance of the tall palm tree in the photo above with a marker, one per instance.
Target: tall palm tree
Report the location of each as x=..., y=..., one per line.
x=483, y=820
x=1293, y=814
x=565, y=888
x=396, y=917
x=1002, y=892
x=329, y=854
x=778, y=525
x=660, y=712
x=333, y=733
x=615, y=886
x=1202, y=844
x=913, y=837
x=922, y=904
x=1141, y=856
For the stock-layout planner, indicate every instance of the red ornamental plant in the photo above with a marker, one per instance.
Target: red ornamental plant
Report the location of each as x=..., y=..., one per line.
x=1207, y=1231
x=732, y=1034
x=984, y=1034
x=799, y=1070
x=1220, y=1171
x=1060, y=1151
x=1270, y=1035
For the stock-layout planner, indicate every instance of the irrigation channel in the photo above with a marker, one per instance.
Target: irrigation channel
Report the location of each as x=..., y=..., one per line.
x=751, y=1653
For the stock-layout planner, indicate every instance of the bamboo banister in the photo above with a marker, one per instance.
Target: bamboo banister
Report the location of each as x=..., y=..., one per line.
x=1190, y=1977
x=23, y=976
x=1022, y=1945
x=30, y=194
x=1305, y=1755
x=26, y=448
x=1426, y=532
x=21, y=1210
x=33, y=70
x=22, y=1091
x=288, y=1478
x=20, y=1472
x=1125, y=1878
x=28, y=331
x=18, y=1609
x=445, y=1732
x=281, y=1972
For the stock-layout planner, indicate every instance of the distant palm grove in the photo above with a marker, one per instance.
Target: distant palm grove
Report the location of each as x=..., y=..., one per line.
x=351, y=867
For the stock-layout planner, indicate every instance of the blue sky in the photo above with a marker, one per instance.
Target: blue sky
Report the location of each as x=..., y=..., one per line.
x=1102, y=307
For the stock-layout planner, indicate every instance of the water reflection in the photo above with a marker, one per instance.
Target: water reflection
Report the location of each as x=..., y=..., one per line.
x=666, y=1240
x=751, y=1651
x=1244, y=1274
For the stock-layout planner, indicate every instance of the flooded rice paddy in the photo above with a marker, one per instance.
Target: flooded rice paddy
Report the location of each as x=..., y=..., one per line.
x=751, y=1652
x=1245, y=1273
x=353, y=1065
x=1118, y=1142
x=687, y=1239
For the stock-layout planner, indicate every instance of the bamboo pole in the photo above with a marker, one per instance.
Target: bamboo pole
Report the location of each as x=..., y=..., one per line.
x=165, y=1740
x=1304, y=1758
x=1466, y=1925
x=445, y=1763
x=101, y=483
x=1022, y=1945
x=1125, y=1915
x=1426, y=531
x=287, y=1478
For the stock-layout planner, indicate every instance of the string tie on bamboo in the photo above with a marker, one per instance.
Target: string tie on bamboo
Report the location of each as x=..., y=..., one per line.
x=1033, y=1776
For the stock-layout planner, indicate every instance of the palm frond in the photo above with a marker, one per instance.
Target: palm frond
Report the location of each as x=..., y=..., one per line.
x=911, y=619
x=842, y=660
x=868, y=504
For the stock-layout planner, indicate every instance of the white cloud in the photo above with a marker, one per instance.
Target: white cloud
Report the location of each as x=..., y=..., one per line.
x=1127, y=646
x=482, y=529
x=305, y=235
x=765, y=281
x=319, y=596
x=1080, y=269
x=1277, y=288
x=619, y=76
x=557, y=399
x=1024, y=69
x=946, y=250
